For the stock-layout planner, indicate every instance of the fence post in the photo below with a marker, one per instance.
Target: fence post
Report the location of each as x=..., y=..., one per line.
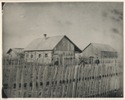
x=81, y=80
x=33, y=80
x=64, y=81
x=55, y=80
x=58, y=77
x=11, y=80
x=68, y=81
x=45, y=75
x=97, y=69
x=17, y=78
x=22, y=79
x=52, y=82
x=38, y=80
x=78, y=81
x=74, y=84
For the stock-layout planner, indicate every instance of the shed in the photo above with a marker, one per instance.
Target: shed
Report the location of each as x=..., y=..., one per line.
x=99, y=50
x=15, y=53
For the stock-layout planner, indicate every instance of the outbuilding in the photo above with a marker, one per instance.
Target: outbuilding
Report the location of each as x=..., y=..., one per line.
x=99, y=51
x=15, y=53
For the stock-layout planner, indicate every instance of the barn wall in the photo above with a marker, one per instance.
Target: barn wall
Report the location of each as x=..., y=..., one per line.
x=95, y=52
x=39, y=56
x=65, y=45
x=64, y=51
x=88, y=52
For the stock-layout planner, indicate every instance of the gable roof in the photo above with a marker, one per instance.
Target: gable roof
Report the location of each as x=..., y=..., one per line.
x=48, y=43
x=101, y=47
x=16, y=50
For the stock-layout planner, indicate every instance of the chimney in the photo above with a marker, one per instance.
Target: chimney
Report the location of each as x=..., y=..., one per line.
x=45, y=35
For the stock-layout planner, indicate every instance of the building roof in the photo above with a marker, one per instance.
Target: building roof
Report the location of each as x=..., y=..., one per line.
x=48, y=43
x=101, y=47
x=100, y=50
x=16, y=50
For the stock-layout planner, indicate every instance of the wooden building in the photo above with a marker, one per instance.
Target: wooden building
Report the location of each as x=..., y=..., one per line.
x=15, y=53
x=99, y=51
x=51, y=49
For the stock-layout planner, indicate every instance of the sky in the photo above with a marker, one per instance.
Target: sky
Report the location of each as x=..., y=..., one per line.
x=82, y=22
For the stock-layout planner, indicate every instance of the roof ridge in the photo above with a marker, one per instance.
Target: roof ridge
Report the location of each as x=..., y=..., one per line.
x=101, y=45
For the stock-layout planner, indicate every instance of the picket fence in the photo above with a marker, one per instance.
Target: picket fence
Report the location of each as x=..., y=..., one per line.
x=27, y=79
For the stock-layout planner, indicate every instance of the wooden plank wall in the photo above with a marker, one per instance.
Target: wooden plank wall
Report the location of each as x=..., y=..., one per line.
x=35, y=80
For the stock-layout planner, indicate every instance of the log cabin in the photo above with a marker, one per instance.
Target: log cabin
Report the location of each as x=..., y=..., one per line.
x=49, y=50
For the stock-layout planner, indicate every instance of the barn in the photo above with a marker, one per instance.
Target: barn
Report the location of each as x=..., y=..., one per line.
x=15, y=53
x=99, y=51
x=49, y=50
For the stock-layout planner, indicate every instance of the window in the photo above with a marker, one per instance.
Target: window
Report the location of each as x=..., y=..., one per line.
x=14, y=86
x=19, y=85
x=31, y=56
x=25, y=84
x=39, y=55
x=36, y=84
x=46, y=55
x=41, y=83
x=30, y=84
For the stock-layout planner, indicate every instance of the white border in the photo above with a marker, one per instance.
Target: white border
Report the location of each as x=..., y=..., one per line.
x=57, y=1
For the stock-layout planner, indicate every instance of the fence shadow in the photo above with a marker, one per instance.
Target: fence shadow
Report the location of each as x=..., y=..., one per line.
x=83, y=78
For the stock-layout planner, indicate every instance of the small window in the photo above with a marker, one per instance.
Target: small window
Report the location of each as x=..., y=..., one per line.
x=30, y=84
x=19, y=85
x=14, y=86
x=41, y=83
x=36, y=84
x=25, y=84
x=39, y=55
x=46, y=55
x=31, y=56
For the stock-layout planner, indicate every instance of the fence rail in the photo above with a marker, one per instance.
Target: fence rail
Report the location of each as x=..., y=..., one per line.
x=23, y=79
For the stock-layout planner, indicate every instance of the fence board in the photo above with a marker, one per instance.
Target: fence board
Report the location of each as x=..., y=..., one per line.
x=65, y=80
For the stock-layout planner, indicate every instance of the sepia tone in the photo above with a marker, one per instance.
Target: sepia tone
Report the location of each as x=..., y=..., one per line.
x=62, y=50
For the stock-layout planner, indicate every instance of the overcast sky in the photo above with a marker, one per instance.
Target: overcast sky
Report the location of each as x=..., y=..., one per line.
x=83, y=23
